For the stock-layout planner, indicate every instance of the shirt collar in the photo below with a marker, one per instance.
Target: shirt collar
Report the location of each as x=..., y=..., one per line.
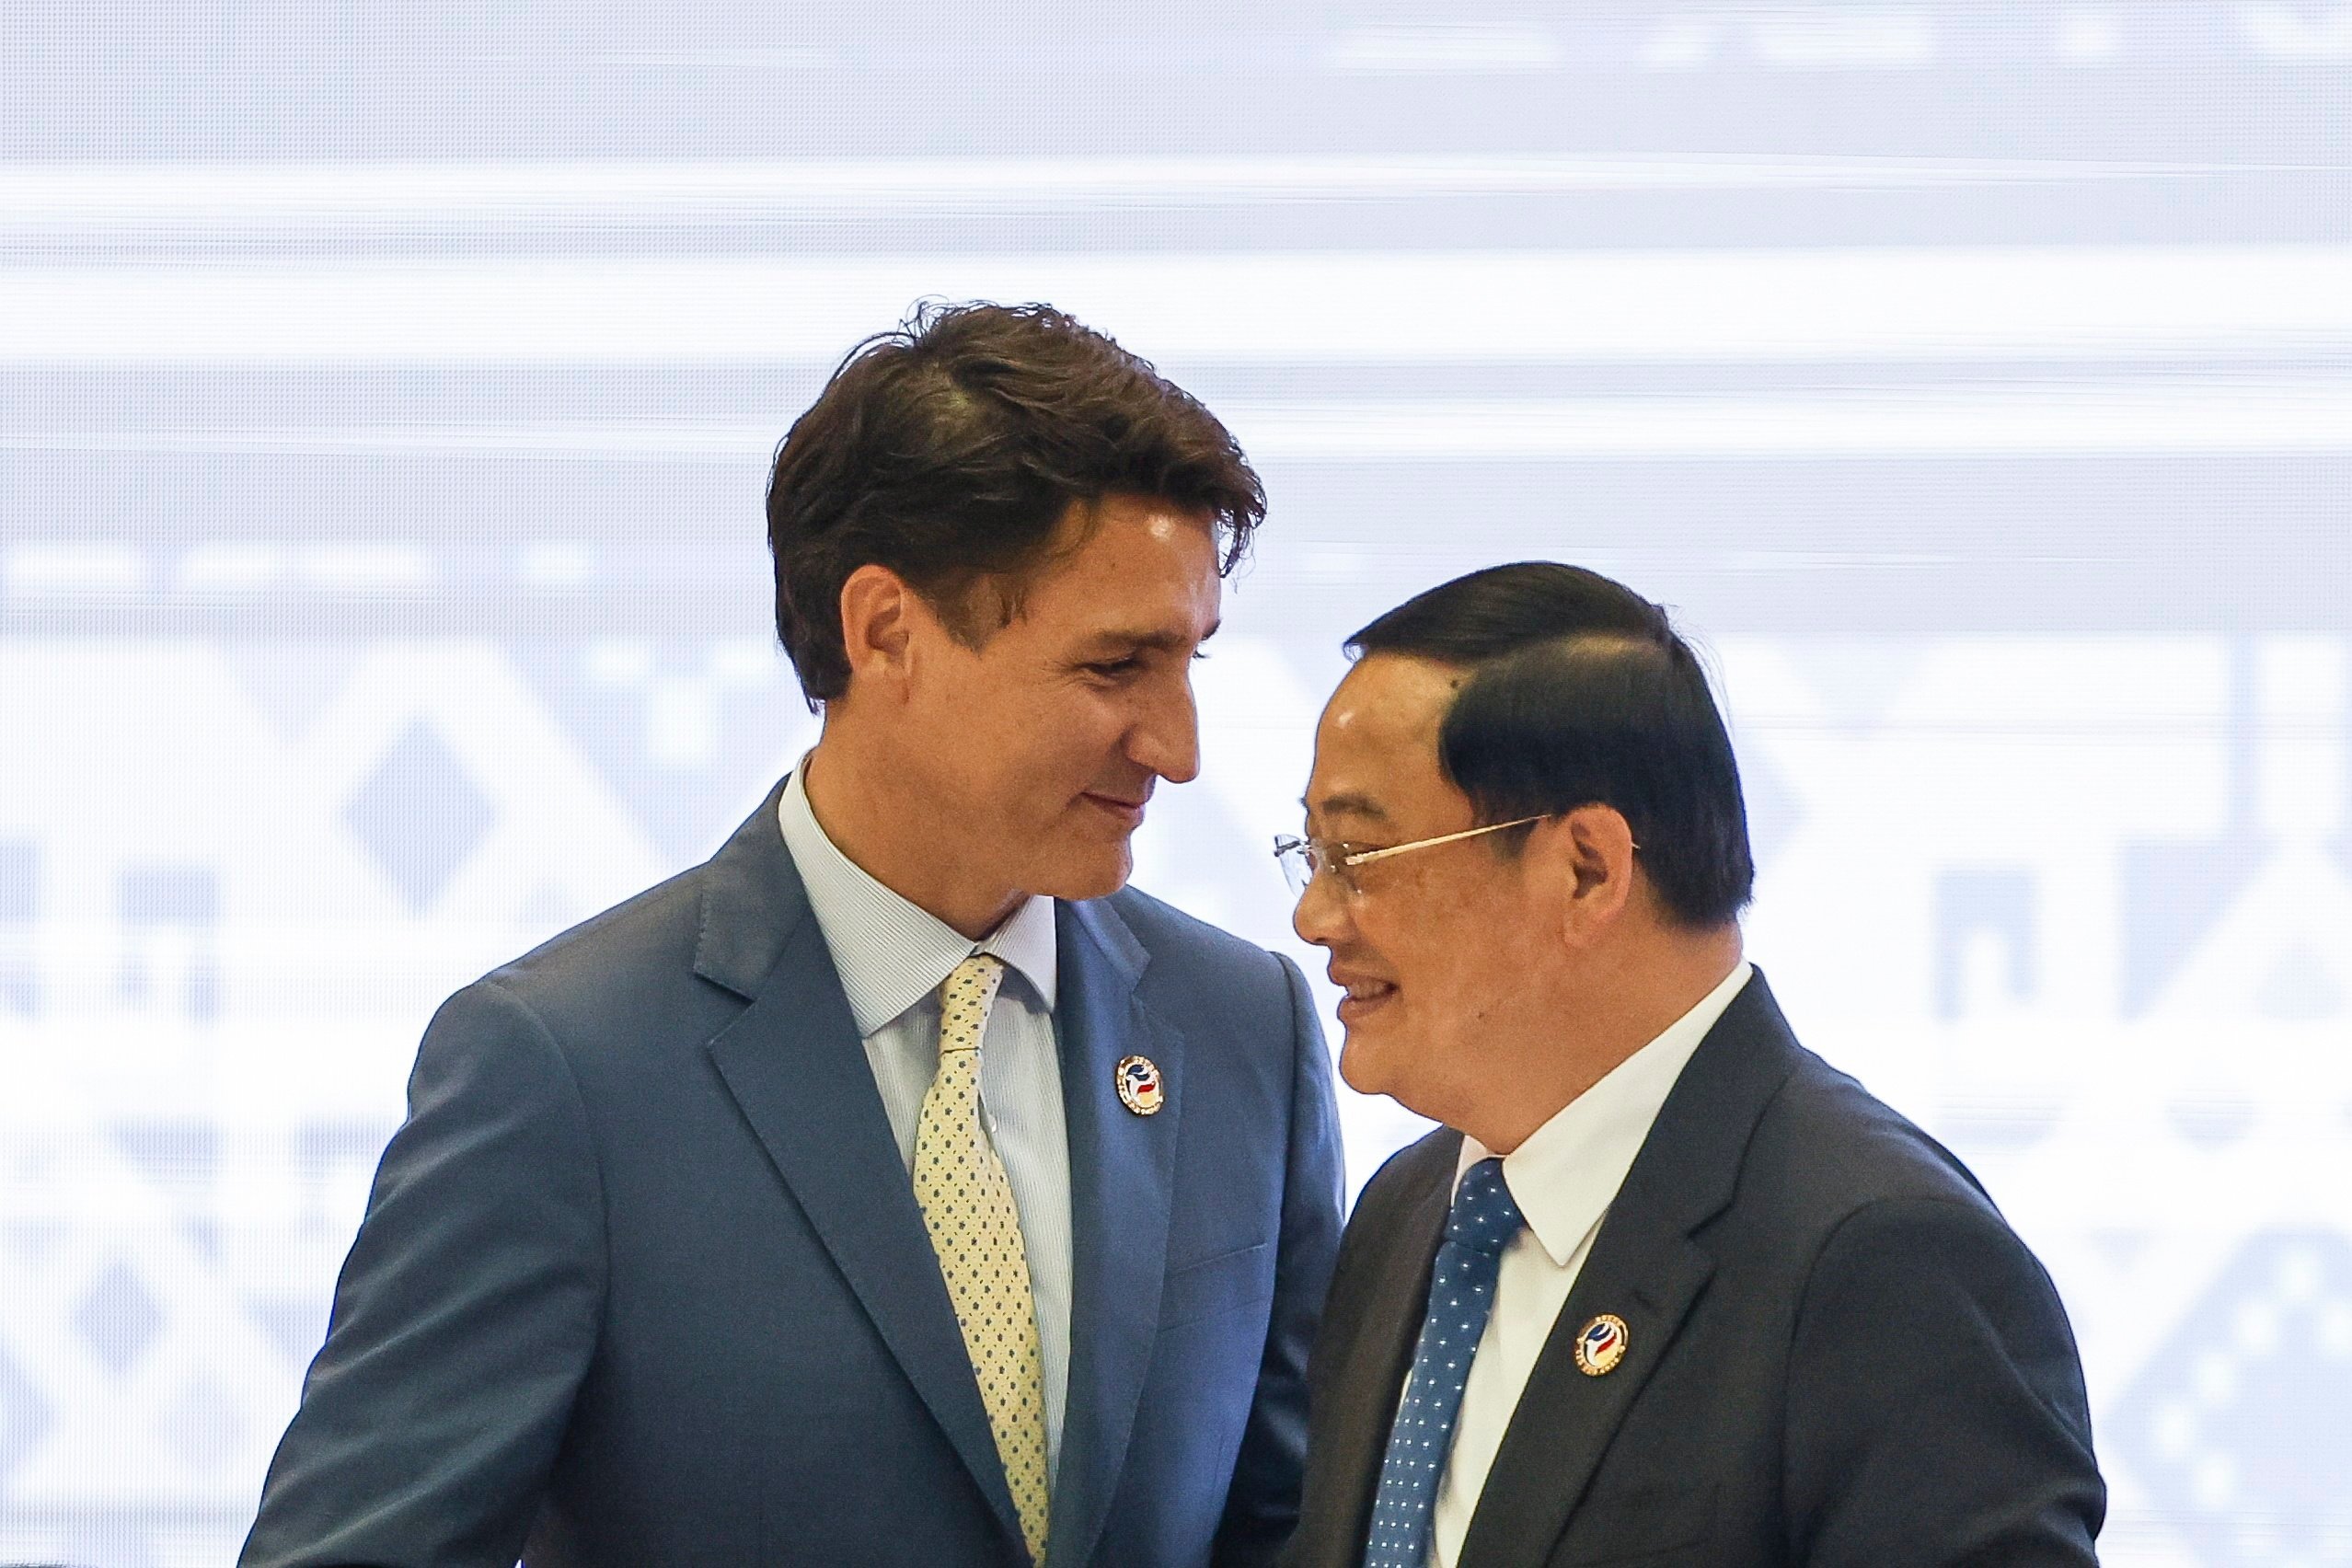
x=1567, y=1172
x=889, y=953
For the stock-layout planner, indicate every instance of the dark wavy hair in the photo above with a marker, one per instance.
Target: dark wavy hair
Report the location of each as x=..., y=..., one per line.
x=950, y=448
x=1580, y=691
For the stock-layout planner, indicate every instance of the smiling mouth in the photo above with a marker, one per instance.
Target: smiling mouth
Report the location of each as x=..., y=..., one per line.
x=1363, y=997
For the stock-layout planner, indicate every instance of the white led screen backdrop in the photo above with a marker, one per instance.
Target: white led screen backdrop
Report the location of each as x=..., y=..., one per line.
x=385, y=402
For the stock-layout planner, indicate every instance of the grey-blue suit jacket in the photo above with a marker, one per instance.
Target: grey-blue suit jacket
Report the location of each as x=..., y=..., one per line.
x=642, y=1280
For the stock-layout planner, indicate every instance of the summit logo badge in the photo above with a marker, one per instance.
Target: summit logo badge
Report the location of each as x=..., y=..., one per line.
x=1139, y=1086
x=1601, y=1346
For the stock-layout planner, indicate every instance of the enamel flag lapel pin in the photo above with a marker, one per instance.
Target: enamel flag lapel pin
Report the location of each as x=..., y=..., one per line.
x=1139, y=1086
x=1601, y=1346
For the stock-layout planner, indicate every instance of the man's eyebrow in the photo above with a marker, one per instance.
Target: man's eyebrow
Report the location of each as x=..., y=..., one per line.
x=1355, y=805
x=1162, y=641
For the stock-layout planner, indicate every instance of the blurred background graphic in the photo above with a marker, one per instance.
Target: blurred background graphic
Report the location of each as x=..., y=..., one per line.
x=384, y=403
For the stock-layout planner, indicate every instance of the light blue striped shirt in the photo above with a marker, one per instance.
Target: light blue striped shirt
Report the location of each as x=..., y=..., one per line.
x=893, y=957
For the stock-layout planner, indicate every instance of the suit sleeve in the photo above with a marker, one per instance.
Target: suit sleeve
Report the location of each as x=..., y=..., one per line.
x=1935, y=1402
x=464, y=1319
x=1261, y=1509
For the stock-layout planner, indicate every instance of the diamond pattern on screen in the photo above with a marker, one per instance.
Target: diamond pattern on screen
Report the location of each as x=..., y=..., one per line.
x=2300, y=987
x=2241, y=1420
x=25, y=1416
x=119, y=1317
x=419, y=814
x=201, y=1425
x=684, y=730
x=2141, y=1059
x=2176, y=892
x=296, y=1324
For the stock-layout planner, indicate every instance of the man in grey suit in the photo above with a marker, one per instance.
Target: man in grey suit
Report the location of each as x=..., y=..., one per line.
x=893, y=1188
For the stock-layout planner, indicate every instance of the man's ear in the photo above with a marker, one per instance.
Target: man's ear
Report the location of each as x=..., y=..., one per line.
x=1595, y=846
x=878, y=612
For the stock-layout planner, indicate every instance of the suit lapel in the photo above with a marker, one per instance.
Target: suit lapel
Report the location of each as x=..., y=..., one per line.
x=1380, y=1351
x=793, y=1061
x=1565, y=1419
x=1645, y=1268
x=1123, y=1172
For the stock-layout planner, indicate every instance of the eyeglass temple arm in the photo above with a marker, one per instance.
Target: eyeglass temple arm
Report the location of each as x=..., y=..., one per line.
x=1364, y=856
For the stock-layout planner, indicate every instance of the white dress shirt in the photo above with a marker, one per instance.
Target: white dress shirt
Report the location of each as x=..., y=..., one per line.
x=892, y=958
x=1563, y=1178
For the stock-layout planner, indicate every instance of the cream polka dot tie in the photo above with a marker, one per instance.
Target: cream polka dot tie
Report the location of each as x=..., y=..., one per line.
x=967, y=1203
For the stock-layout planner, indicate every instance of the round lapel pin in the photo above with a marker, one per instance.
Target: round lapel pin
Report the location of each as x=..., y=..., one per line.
x=1601, y=1346
x=1139, y=1087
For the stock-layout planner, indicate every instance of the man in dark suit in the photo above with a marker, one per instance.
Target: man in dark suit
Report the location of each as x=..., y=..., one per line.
x=893, y=1188
x=1667, y=1288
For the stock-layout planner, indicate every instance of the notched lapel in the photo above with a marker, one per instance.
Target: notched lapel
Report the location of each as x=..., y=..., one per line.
x=794, y=1064
x=1365, y=1392
x=1645, y=1268
x=752, y=901
x=1123, y=1176
x=1566, y=1419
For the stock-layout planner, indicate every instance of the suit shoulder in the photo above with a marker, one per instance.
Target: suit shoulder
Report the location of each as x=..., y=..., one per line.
x=1827, y=1148
x=1198, y=948
x=616, y=958
x=1407, y=1174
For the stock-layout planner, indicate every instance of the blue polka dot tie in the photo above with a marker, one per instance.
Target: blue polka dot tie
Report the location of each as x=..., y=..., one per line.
x=1462, y=1294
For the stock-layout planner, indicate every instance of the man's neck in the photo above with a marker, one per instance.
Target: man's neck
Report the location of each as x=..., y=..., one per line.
x=852, y=795
x=1615, y=1014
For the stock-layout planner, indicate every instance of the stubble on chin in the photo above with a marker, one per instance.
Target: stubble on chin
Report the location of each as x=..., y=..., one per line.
x=1115, y=873
x=1097, y=872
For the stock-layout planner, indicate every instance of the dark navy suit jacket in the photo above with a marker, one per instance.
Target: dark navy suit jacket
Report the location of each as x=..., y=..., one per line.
x=642, y=1280
x=1838, y=1355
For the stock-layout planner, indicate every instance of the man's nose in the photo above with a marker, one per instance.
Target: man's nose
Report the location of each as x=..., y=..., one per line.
x=1320, y=916
x=1166, y=734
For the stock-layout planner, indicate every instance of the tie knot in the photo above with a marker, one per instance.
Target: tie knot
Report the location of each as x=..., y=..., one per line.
x=964, y=997
x=982, y=969
x=1485, y=1218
